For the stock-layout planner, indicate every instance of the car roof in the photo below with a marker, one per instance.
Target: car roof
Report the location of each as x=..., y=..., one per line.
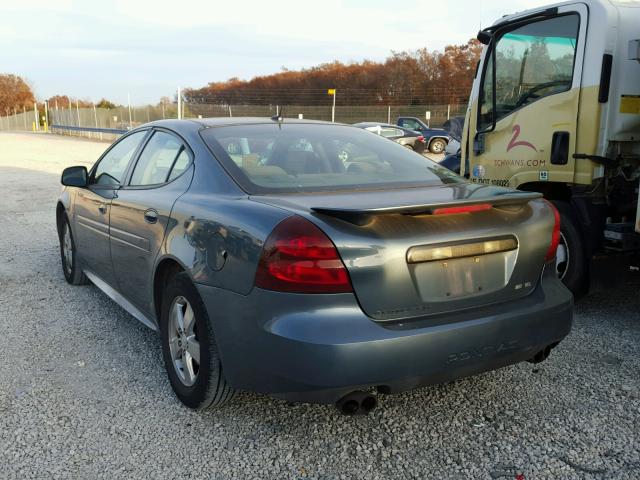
x=374, y=124
x=229, y=121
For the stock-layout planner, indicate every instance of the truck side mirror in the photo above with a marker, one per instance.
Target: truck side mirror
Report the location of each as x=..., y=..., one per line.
x=74, y=177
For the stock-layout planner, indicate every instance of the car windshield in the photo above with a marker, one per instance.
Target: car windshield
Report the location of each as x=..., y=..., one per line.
x=297, y=157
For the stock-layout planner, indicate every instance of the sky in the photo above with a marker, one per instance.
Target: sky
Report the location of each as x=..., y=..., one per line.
x=147, y=49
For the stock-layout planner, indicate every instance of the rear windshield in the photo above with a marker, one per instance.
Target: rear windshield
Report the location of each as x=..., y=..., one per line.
x=271, y=158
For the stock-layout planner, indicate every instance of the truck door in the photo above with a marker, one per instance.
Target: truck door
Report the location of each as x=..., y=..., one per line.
x=522, y=121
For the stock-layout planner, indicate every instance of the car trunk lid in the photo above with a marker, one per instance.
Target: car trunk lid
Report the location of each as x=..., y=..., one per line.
x=427, y=251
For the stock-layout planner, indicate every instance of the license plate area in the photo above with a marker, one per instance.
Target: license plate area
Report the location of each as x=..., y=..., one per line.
x=447, y=272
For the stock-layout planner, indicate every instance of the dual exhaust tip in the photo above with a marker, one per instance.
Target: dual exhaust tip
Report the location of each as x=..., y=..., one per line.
x=357, y=403
x=361, y=403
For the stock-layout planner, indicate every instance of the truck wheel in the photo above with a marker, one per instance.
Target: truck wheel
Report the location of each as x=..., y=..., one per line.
x=571, y=260
x=437, y=146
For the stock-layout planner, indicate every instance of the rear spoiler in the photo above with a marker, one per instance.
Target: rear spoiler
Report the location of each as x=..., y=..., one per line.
x=360, y=215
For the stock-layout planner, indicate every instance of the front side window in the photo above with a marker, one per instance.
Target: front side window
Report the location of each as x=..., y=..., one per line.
x=112, y=167
x=531, y=62
x=156, y=160
x=269, y=158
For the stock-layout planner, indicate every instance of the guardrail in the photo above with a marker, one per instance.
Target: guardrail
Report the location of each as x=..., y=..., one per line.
x=72, y=128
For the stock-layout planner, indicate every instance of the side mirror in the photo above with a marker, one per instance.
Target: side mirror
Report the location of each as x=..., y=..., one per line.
x=74, y=177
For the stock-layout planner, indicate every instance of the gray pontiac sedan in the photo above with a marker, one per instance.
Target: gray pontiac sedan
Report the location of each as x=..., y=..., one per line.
x=311, y=261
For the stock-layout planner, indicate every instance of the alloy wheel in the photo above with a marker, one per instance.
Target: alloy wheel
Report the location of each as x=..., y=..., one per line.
x=183, y=341
x=67, y=250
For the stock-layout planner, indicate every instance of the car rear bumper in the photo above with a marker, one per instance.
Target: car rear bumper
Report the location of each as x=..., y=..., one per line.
x=317, y=348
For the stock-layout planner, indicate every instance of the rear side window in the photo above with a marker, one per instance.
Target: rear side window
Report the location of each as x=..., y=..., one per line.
x=386, y=132
x=269, y=158
x=157, y=159
x=112, y=167
x=182, y=163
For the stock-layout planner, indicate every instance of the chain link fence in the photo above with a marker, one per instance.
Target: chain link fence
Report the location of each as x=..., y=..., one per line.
x=27, y=120
x=97, y=122
x=343, y=114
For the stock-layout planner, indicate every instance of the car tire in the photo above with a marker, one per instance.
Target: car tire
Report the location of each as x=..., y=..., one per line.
x=437, y=145
x=208, y=388
x=571, y=259
x=73, y=274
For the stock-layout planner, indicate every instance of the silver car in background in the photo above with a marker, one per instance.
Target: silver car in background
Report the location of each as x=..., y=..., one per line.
x=311, y=261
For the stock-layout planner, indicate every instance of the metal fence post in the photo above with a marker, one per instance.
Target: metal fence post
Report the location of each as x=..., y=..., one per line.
x=78, y=112
x=129, y=103
x=179, y=103
x=35, y=114
x=46, y=116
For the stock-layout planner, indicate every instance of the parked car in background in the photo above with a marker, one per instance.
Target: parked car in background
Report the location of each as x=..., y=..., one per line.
x=435, y=138
x=311, y=261
x=404, y=136
x=453, y=153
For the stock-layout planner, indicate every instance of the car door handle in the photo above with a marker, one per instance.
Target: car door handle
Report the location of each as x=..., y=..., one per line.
x=102, y=208
x=151, y=216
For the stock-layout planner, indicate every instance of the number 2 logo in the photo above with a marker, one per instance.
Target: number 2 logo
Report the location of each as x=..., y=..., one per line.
x=514, y=142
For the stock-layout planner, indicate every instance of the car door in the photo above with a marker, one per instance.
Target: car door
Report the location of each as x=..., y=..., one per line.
x=92, y=206
x=140, y=212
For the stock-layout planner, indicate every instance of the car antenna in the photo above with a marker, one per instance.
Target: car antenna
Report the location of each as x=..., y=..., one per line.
x=278, y=117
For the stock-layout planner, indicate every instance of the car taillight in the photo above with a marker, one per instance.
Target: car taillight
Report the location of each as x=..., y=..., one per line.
x=298, y=257
x=555, y=236
x=421, y=139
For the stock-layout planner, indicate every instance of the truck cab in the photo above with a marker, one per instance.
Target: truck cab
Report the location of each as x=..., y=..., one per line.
x=555, y=108
x=436, y=138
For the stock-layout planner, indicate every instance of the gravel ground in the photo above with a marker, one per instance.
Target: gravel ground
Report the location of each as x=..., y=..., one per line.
x=83, y=393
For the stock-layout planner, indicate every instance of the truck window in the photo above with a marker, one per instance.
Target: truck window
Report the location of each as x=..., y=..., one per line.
x=410, y=124
x=532, y=61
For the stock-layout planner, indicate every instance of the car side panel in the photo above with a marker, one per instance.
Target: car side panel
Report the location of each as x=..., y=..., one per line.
x=219, y=239
x=135, y=243
x=214, y=232
x=91, y=228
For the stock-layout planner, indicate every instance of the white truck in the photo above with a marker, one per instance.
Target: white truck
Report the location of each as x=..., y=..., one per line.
x=555, y=108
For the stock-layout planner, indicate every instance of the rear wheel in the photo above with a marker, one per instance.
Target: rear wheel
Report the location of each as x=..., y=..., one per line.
x=437, y=146
x=571, y=259
x=189, y=347
x=68, y=255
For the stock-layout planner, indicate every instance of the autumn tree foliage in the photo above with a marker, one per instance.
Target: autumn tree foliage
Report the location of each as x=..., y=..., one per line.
x=64, y=101
x=104, y=103
x=416, y=77
x=15, y=94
